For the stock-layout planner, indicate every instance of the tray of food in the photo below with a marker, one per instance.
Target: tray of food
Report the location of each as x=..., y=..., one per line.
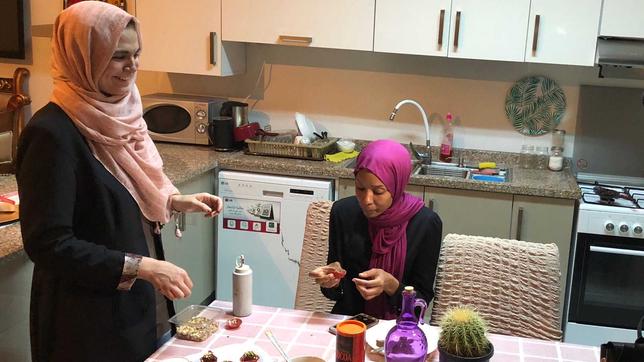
x=312, y=151
x=197, y=322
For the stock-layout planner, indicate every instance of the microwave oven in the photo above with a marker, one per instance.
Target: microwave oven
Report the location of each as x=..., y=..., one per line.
x=180, y=118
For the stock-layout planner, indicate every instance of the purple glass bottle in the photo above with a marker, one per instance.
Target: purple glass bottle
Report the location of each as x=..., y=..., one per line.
x=406, y=342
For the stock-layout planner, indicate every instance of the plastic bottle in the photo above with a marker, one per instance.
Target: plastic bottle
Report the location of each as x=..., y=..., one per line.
x=448, y=139
x=406, y=341
x=242, y=288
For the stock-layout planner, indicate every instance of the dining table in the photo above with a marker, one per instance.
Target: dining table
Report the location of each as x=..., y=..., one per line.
x=306, y=333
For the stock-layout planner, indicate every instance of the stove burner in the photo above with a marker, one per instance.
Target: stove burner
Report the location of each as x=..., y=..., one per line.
x=612, y=195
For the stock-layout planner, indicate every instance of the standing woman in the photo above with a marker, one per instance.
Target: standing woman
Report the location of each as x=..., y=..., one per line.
x=383, y=238
x=93, y=194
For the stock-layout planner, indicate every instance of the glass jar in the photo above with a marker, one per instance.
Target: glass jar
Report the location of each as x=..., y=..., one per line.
x=527, y=156
x=541, y=157
x=555, y=162
x=558, y=136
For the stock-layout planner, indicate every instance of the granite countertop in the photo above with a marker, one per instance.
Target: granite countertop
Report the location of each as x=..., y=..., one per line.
x=183, y=162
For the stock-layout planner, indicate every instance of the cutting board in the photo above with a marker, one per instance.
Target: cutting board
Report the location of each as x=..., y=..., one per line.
x=10, y=216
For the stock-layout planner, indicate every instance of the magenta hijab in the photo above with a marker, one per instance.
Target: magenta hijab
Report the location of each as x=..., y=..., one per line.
x=390, y=162
x=85, y=37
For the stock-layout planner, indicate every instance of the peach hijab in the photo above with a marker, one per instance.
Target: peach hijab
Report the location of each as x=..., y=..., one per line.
x=85, y=37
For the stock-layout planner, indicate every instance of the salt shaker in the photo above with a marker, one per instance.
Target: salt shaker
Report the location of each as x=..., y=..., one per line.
x=555, y=162
x=242, y=288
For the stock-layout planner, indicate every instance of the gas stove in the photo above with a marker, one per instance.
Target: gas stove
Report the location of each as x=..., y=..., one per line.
x=611, y=195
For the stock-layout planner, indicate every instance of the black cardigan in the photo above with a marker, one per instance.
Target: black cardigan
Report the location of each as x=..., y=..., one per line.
x=350, y=244
x=77, y=223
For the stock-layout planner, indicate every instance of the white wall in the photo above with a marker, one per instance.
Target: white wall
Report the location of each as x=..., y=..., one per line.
x=351, y=93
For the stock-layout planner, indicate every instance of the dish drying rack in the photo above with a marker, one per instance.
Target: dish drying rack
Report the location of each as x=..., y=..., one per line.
x=313, y=151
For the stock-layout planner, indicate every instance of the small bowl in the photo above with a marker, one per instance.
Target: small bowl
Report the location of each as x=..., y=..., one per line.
x=346, y=146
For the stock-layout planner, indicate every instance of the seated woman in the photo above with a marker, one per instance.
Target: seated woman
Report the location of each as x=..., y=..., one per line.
x=383, y=238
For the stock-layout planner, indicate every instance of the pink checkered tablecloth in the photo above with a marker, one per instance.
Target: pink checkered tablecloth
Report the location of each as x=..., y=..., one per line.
x=306, y=333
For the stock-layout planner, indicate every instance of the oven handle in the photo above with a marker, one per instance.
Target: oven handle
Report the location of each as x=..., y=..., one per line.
x=601, y=249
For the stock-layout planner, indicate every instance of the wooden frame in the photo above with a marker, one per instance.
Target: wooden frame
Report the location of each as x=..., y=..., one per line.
x=12, y=118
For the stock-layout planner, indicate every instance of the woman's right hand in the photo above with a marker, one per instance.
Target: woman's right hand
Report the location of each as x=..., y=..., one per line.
x=328, y=276
x=169, y=279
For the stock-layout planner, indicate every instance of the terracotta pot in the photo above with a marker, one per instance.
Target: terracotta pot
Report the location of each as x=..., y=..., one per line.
x=448, y=357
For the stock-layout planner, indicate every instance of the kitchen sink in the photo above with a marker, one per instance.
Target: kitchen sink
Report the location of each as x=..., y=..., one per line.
x=453, y=170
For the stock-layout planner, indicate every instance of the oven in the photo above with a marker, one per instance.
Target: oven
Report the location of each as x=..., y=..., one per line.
x=606, y=298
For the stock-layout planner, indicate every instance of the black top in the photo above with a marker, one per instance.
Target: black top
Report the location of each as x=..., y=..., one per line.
x=350, y=244
x=77, y=222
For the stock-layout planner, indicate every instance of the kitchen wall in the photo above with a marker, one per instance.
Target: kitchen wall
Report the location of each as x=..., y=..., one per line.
x=351, y=93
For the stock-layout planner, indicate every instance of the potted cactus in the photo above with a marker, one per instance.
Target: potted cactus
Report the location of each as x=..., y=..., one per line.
x=463, y=337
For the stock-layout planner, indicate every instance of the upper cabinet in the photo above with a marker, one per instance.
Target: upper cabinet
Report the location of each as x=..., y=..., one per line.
x=488, y=30
x=564, y=32
x=418, y=27
x=180, y=38
x=340, y=24
x=622, y=18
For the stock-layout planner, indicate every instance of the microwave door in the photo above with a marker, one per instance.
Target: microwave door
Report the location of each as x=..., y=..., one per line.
x=172, y=123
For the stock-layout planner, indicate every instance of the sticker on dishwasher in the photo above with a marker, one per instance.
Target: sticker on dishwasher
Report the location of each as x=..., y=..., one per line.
x=251, y=215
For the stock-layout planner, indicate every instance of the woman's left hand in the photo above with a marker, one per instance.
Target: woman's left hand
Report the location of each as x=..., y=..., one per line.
x=375, y=281
x=210, y=205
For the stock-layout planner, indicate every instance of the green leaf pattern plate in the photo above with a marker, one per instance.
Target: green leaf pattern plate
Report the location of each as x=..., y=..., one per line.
x=535, y=105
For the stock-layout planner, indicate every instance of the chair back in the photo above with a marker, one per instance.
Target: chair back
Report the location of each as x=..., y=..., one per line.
x=314, y=254
x=513, y=284
x=12, y=117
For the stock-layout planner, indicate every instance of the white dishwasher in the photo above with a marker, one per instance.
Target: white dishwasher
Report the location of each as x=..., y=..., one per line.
x=263, y=218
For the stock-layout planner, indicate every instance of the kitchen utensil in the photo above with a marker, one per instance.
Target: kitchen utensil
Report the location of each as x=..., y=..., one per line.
x=275, y=343
x=322, y=135
x=221, y=133
x=248, y=130
x=306, y=128
x=237, y=110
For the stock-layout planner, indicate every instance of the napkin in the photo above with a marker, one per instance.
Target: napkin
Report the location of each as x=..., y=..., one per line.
x=341, y=156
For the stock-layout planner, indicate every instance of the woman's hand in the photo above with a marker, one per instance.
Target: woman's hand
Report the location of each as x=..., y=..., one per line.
x=375, y=281
x=328, y=276
x=210, y=205
x=169, y=279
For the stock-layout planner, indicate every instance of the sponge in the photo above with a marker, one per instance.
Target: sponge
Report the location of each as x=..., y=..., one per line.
x=483, y=165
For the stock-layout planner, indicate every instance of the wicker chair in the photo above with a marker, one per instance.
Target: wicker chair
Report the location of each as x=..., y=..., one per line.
x=314, y=253
x=513, y=284
x=12, y=117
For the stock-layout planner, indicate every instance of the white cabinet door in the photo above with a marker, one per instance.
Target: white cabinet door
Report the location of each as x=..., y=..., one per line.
x=186, y=38
x=489, y=30
x=623, y=18
x=563, y=32
x=413, y=27
x=341, y=24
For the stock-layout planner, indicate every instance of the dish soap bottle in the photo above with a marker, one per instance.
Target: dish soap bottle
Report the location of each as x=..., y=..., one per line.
x=448, y=139
x=406, y=341
x=242, y=288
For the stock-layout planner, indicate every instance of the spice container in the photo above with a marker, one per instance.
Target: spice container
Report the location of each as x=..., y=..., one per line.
x=526, y=159
x=555, y=162
x=541, y=157
x=350, y=341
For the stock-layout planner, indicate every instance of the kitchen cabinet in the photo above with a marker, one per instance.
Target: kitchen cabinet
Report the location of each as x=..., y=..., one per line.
x=180, y=38
x=563, y=32
x=488, y=30
x=347, y=187
x=340, y=24
x=545, y=220
x=471, y=212
x=195, y=250
x=622, y=18
x=418, y=27
x=15, y=286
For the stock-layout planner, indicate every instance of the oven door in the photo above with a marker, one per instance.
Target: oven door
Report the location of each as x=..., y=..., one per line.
x=608, y=281
x=171, y=123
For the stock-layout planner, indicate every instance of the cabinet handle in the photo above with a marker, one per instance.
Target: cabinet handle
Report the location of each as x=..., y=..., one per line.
x=430, y=204
x=213, y=48
x=535, y=36
x=301, y=40
x=519, y=223
x=441, y=24
x=457, y=28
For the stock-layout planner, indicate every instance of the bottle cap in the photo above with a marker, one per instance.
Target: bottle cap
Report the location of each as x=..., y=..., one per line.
x=448, y=117
x=409, y=288
x=241, y=266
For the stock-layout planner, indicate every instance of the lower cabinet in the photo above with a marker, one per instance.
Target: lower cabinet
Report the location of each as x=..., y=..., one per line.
x=195, y=251
x=471, y=212
x=545, y=220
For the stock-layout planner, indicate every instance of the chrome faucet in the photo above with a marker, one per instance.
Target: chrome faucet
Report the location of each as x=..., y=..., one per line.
x=424, y=157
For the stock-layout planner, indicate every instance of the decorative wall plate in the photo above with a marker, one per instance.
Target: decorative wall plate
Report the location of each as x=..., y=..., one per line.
x=535, y=105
